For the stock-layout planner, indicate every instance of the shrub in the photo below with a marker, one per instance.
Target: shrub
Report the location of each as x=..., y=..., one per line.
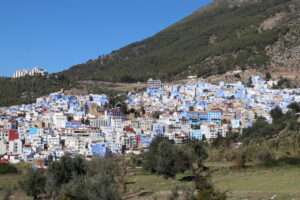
x=240, y=160
x=34, y=183
x=75, y=179
x=265, y=157
x=8, y=169
x=167, y=159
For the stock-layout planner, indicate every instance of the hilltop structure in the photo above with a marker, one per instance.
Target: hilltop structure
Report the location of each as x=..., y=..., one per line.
x=36, y=71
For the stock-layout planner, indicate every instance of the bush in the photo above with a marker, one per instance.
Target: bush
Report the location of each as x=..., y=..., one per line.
x=76, y=179
x=34, y=183
x=294, y=107
x=101, y=186
x=239, y=160
x=264, y=157
x=8, y=169
x=167, y=159
x=62, y=171
x=276, y=113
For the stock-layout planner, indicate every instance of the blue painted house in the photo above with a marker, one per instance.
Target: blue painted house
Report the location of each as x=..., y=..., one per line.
x=99, y=149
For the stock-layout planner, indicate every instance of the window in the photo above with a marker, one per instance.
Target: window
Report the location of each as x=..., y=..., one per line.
x=15, y=148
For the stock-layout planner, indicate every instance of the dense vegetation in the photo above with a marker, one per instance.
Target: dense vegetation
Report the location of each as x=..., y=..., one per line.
x=105, y=178
x=27, y=89
x=263, y=143
x=75, y=179
x=167, y=159
x=8, y=169
x=211, y=41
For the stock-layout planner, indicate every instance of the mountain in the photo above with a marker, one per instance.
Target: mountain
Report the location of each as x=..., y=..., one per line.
x=224, y=36
x=262, y=35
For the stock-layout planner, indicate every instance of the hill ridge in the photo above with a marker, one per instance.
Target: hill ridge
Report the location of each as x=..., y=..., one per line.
x=213, y=40
x=260, y=36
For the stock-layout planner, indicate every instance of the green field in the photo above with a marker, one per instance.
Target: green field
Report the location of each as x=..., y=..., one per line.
x=9, y=183
x=252, y=183
x=283, y=183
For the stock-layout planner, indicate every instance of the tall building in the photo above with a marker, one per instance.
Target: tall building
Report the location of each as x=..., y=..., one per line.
x=154, y=84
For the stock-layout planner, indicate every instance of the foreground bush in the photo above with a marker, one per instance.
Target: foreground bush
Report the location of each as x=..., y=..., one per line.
x=8, y=169
x=75, y=179
x=34, y=183
x=168, y=159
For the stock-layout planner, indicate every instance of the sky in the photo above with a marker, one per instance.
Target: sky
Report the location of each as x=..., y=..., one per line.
x=57, y=34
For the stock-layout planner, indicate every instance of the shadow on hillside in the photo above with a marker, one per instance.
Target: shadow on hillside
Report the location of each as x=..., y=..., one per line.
x=130, y=182
x=187, y=179
x=284, y=161
x=145, y=193
x=287, y=161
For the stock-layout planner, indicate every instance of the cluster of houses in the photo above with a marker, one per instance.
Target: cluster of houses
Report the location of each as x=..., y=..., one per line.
x=36, y=71
x=58, y=124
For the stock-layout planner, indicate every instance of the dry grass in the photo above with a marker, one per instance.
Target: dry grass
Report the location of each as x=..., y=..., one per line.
x=254, y=183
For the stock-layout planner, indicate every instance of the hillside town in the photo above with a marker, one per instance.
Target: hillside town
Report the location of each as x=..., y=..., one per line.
x=60, y=124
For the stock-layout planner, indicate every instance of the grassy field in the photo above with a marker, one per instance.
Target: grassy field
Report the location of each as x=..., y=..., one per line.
x=254, y=183
x=260, y=183
x=9, y=183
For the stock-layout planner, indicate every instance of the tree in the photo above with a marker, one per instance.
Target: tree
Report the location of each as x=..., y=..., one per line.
x=118, y=101
x=78, y=179
x=100, y=183
x=249, y=82
x=284, y=83
x=184, y=158
x=149, y=162
x=295, y=107
x=99, y=187
x=240, y=160
x=8, y=169
x=103, y=187
x=63, y=171
x=166, y=160
x=34, y=183
x=265, y=157
x=194, y=156
x=268, y=76
x=204, y=189
x=76, y=189
x=276, y=113
x=260, y=128
x=199, y=150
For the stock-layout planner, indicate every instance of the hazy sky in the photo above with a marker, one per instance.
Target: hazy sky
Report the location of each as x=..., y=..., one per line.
x=57, y=34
